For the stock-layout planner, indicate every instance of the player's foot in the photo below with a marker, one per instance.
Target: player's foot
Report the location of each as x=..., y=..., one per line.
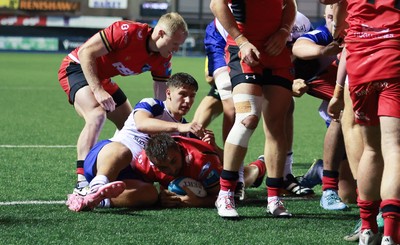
x=239, y=191
x=387, y=240
x=81, y=188
x=313, y=175
x=225, y=205
x=276, y=208
x=78, y=203
x=260, y=179
x=330, y=200
x=367, y=237
x=355, y=234
x=293, y=188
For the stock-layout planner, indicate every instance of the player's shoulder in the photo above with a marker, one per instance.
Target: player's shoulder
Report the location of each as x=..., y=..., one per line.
x=126, y=24
x=319, y=35
x=138, y=29
x=193, y=144
x=150, y=104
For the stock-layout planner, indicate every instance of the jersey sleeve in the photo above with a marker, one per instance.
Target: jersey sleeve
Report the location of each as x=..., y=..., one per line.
x=320, y=36
x=153, y=106
x=120, y=34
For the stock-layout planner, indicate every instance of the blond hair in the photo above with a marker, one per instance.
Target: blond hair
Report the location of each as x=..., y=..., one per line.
x=172, y=22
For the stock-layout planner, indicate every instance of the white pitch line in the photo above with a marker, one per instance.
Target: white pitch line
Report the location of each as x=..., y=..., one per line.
x=30, y=203
x=37, y=146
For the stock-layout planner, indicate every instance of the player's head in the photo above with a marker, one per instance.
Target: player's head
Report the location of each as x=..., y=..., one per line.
x=165, y=154
x=328, y=15
x=181, y=92
x=169, y=33
x=301, y=26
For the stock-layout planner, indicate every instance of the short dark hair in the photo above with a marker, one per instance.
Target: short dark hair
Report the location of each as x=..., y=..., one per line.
x=182, y=79
x=158, y=145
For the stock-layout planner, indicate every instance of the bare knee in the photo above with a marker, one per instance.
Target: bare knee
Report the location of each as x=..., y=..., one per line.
x=95, y=117
x=250, y=122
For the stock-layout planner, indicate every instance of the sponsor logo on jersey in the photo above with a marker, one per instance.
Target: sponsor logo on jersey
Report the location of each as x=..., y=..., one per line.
x=124, y=27
x=140, y=34
x=146, y=67
x=123, y=70
x=204, y=169
x=140, y=141
x=189, y=159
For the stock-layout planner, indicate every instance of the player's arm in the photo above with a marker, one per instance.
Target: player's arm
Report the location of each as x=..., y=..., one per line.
x=339, y=20
x=277, y=41
x=159, y=88
x=306, y=49
x=88, y=53
x=221, y=11
x=146, y=123
x=209, y=138
x=191, y=200
x=336, y=104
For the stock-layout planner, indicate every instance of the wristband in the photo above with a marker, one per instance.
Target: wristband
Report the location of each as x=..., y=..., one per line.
x=242, y=44
x=340, y=85
x=240, y=35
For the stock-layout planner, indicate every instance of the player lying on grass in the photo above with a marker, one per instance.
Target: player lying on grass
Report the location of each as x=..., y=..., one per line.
x=164, y=159
x=149, y=116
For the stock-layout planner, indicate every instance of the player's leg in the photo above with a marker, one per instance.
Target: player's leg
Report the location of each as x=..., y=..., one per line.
x=248, y=102
x=347, y=184
x=224, y=86
x=369, y=181
x=276, y=104
x=254, y=172
x=333, y=154
x=209, y=108
x=111, y=160
x=79, y=94
x=290, y=184
x=120, y=114
x=136, y=194
x=390, y=188
x=351, y=134
x=94, y=115
x=102, y=164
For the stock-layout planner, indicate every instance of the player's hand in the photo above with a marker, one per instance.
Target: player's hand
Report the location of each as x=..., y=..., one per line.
x=332, y=49
x=335, y=108
x=249, y=54
x=209, y=137
x=105, y=100
x=276, y=43
x=299, y=87
x=169, y=199
x=192, y=127
x=190, y=199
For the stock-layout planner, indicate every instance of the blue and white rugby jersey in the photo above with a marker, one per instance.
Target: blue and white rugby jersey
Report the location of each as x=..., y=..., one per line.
x=130, y=136
x=321, y=36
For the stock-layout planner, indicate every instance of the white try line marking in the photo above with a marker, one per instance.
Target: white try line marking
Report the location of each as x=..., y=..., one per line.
x=30, y=203
x=37, y=146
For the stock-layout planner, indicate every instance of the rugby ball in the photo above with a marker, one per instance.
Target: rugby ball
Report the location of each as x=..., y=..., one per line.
x=195, y=186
